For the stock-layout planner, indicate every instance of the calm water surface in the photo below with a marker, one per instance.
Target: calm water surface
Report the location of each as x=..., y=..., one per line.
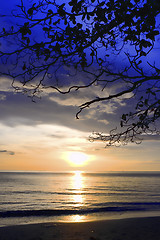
x=77, y=196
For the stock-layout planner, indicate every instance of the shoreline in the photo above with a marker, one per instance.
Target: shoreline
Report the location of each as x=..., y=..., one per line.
x=138, y=228
x=76, y=218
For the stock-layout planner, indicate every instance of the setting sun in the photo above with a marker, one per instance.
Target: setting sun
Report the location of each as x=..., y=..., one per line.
x=77, y=158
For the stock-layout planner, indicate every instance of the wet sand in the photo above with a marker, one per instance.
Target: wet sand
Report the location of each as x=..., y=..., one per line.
x=147, y=228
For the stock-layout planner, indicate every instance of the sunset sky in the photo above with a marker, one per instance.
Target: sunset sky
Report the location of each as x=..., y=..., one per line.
x=46, y=136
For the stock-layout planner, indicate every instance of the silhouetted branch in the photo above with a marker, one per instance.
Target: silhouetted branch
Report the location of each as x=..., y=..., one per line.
x=86, y=37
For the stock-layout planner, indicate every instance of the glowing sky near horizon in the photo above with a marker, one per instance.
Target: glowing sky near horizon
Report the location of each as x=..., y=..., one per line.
x=46, y=136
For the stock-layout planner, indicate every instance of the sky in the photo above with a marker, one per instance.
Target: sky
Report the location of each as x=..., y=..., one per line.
x=46, y=136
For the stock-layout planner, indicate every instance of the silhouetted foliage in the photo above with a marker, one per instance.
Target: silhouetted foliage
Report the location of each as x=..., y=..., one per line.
x=46, y=36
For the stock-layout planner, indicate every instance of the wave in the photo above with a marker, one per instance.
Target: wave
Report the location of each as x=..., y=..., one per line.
x=57, y=212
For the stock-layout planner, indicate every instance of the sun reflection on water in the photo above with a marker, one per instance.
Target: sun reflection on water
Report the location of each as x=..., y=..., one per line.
x=78, y=185
x=78, y=180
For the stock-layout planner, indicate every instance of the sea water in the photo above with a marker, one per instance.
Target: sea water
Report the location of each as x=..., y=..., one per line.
x=27, y=197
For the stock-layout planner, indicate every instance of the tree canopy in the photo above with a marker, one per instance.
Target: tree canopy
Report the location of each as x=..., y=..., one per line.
x=113, y=42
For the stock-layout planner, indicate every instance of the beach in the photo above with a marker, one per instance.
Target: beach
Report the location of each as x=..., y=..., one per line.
x=147, y=228
x=80, y=206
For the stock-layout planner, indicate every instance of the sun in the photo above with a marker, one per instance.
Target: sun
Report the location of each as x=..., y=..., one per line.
x=77, y=158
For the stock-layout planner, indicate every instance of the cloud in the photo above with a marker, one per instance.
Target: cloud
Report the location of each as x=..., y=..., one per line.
x=20, y=110
x=101, y=114
x=60, y=109
x=76, y=98
x=7, y=152
x=6, y=85
x=57, y=136
x=151, y=137
x=2, y=97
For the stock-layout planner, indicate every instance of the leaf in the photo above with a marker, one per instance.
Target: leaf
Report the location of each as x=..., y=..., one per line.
x=29, y=31
x=140, y=61
x=142, y=53
x=79, y=25
x=70, y=3
x=83, y=16
x=46, y=29
x=156, y=32
x=88, y=17
x=24, y=67
x=50, y=12
x=30, y=11
x=92, y=53
x=28, y=40
x=145, y=43
x=124, y=117
x=146, y=102
x=140, y=104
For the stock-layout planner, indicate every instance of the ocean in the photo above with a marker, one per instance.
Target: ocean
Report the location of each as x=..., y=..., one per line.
x=30, y=197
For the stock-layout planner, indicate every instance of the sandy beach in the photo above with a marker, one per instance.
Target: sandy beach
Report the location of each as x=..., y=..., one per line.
x=125, y=229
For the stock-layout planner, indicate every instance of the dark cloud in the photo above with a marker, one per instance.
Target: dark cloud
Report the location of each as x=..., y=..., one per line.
x=56, y=136
x=20, y=110
x=7, y=152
